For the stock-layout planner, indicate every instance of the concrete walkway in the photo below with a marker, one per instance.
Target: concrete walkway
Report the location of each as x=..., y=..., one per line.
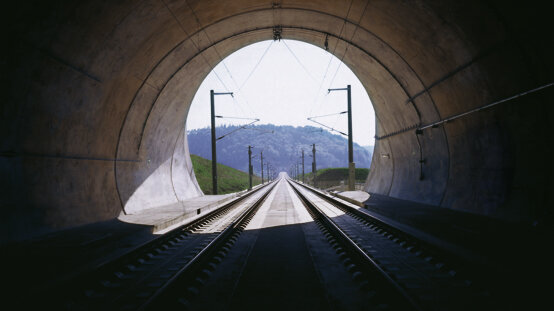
x=358, y=196
x=164, y=218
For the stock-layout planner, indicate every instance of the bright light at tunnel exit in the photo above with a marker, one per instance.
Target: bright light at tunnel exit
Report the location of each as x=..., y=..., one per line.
x=283, y=83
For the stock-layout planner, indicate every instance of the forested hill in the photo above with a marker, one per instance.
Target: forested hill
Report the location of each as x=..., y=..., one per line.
x=281, y=147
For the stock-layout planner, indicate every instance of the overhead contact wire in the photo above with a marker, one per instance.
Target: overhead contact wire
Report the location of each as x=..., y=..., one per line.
x=331, y=59
x=348, y=45
x=257, y=64
x=299, y=62
x=224, y=64
x=194, y=43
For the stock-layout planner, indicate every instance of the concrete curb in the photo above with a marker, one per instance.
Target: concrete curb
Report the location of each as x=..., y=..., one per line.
x=347, y=199
x=190, y=216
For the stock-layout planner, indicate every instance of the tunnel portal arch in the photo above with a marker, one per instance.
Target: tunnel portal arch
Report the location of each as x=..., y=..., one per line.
x=96, y=93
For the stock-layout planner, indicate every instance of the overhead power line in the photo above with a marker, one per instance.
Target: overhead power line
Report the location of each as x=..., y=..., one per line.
x=240, y=128
x=332, y=128
x=220, y=57
x=194, y=43
x=257, y=64
x=331, y=56
x=327, y=115
x=347, y=45
x=329, y=127
x=300, y=63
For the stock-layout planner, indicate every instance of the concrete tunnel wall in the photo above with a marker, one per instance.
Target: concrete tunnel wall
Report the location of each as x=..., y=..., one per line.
x=97, y=93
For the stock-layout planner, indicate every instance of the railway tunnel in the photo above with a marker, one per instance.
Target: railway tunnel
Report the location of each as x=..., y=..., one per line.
x=97, y=93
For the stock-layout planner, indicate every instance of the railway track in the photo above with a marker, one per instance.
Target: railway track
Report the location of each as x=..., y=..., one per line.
x=396, y=276
x=185, y=284
x=130, y=281
x=413, y=268
x=202, y=265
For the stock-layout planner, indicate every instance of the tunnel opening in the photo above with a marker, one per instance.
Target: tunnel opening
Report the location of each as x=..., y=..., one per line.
x=98, y=92
x=167, y=182
x=92, y=124
x=281, y=84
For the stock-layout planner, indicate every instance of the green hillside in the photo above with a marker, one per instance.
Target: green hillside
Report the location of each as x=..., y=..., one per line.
x=341, y=173
x=329, y=177
x=229, y=179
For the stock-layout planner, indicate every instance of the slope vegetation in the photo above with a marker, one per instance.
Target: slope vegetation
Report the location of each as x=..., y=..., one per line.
x=229, y=179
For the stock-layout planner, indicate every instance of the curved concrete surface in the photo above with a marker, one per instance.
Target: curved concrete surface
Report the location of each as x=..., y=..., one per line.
x=97, y=93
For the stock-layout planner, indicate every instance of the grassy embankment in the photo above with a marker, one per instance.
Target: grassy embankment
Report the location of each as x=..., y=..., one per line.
x=229, y=179
x=330, y=177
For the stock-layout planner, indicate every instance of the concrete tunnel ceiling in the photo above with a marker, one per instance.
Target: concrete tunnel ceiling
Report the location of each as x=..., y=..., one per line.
x=98, y=93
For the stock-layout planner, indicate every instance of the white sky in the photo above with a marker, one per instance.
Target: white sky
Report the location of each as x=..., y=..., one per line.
x=280, y=91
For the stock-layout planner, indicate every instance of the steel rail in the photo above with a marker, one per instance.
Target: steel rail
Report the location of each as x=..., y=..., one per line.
x=370, y=265
x=197, y=262
x=164, y=238
x=465, y=264
x=457, y=257
x=75, y=284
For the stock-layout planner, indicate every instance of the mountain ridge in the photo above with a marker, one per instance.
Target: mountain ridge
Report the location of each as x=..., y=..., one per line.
x=281, y=145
